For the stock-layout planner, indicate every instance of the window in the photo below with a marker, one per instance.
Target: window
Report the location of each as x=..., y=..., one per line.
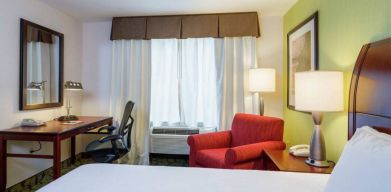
x=183, y=83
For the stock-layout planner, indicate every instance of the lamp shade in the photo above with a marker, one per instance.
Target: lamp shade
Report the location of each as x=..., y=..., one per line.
x=262, y=80
x=319, y=91
x=70, y=85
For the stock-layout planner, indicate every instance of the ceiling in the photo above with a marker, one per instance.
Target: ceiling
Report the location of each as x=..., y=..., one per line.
x=97, y=10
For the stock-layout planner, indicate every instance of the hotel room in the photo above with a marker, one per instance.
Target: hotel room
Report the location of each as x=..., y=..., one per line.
x=192, y=95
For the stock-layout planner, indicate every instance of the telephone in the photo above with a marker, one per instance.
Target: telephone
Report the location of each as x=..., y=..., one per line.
x=300, y=150
x=32, y=123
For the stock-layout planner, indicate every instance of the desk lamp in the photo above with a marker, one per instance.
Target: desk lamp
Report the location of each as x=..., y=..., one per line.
x=70, y=86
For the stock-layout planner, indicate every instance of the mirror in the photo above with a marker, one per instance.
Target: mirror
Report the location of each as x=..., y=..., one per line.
x=41, y=64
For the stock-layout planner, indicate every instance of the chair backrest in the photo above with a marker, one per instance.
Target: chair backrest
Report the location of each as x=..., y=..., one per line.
x=250, y=128
x=125, y=128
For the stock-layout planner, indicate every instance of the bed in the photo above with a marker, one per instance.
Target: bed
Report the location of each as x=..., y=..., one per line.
x=369, y=104
x=121, y=178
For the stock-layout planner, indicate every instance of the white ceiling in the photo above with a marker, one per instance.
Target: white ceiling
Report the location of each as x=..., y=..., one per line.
x=93, y=10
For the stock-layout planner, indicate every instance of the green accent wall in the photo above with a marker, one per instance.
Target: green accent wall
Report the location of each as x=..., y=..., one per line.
x=344, y=27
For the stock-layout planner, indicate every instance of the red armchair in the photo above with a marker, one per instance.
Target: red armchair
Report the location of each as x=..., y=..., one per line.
x=240, y=148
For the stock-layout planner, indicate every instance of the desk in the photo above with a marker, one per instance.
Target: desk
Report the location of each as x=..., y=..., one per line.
x=54, y=132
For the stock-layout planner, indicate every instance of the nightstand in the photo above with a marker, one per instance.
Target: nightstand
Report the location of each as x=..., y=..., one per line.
x=281, y=160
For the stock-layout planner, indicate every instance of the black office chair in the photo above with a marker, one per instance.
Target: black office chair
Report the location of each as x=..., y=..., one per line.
x=104, y=152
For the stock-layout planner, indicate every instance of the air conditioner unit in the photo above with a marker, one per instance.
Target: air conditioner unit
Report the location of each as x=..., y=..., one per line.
x=173, y=140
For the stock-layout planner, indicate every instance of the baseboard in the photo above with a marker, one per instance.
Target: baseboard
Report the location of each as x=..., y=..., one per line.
x=174, y=156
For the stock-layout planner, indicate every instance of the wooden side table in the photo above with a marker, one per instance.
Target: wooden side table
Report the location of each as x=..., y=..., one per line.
x=281, y=160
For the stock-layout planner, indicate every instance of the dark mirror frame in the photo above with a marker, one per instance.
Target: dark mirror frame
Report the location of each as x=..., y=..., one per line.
x=23, y=67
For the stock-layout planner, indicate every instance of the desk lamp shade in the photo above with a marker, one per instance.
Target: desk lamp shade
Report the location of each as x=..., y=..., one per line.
x=317, y=92
x=71, y=85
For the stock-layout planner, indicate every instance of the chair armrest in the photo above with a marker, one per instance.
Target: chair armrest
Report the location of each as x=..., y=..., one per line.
x=109, y=129
x=250, y=152
x=110, y=138
x=210, y=140
x=207, y=141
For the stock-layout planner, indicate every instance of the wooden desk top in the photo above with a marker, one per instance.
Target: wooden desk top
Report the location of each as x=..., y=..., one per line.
x=286, y=162
x=54, y=127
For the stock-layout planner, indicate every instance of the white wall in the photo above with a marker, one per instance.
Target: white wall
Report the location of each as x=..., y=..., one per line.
x=96, y=68
x=96, y=71
x=270, y=51
x=10, y=13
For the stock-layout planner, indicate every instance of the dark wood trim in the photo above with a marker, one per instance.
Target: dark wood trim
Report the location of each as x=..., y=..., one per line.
x=353, y=90
x=315, y=17
x=56, y=157
x=174, y=156
x=370, y=65
x=23, y=67
x=3, y=164
x=30, y=156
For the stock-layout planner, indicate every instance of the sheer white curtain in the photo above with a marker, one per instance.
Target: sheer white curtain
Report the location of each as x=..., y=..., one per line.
x=198, y=82
x=234, y=57
x=41, y=66
x=131, y=80
x=184, y=83
x=165, y=90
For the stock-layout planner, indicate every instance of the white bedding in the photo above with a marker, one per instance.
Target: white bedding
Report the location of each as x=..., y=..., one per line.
x=121, y=178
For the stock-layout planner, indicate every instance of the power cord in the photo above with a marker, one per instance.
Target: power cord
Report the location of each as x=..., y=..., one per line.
x=39, y=148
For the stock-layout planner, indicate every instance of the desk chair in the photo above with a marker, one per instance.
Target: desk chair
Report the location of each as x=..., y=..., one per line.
x=115, y=145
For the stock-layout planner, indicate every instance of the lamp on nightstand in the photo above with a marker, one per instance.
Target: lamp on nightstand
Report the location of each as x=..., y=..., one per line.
x=262, y=80
x=318, y=92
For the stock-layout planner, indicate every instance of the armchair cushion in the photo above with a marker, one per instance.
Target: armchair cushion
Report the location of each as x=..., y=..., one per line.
x=250, y=152
x=211, y=157
x=250, y=128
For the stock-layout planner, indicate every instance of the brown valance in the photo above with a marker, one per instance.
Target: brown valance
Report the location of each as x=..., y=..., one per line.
x=164, y=27
x=198, y=26
x=186, y=26
x=37, y=35
x=234, y=25
x=129, y=28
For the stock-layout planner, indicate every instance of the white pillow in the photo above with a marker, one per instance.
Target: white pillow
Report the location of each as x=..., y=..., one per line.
x=365, y=164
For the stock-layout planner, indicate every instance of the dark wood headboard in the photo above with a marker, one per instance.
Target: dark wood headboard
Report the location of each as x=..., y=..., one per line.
x=370, y=88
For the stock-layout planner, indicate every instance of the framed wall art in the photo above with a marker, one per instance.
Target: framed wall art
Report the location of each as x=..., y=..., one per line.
x=302, y=52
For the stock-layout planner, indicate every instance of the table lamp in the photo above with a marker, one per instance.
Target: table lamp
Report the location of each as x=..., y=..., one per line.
x=262, y=80
x=70, y=86
x=318, y=92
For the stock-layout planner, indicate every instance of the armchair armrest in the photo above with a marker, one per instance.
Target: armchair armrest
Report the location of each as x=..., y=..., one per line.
x=250, y=152
x=207, y=141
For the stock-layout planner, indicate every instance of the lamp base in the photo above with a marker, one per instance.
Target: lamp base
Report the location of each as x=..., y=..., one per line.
x=68, y=118
x=316, y=163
